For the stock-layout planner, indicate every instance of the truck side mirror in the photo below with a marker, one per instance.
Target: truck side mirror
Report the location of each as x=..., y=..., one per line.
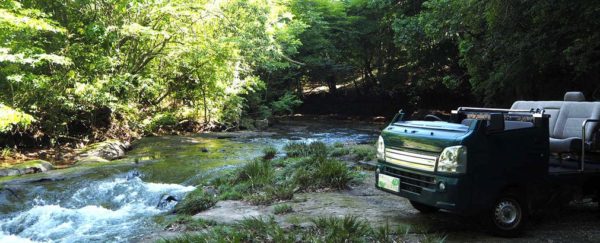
x=496, y=123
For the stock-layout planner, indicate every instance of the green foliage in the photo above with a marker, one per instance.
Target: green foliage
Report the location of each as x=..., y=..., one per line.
x=6, y=152
x=282, y=209
x=286, y=104
x=162, y=121
x=195, y=202
x=13, y=119
x=61, y=62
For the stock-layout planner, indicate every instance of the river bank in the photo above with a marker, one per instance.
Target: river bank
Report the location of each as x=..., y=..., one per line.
x=15, y=162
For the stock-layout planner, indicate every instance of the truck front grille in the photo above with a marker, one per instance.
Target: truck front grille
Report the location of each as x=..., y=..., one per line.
x=410, y=159
x=411, y=182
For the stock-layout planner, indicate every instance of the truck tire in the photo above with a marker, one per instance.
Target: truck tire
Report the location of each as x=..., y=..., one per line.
x=423, y=208
x=507, y=216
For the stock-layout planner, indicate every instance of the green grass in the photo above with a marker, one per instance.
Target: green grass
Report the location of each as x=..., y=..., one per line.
x=195, y=202
x=364, y=152
x=339, y=151
x=269, y=153
x=265, y=180
x=282, y=209
x=305, y=150
x=324, y=229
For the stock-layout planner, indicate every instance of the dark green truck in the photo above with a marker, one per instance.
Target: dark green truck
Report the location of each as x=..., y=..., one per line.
x=503, y=164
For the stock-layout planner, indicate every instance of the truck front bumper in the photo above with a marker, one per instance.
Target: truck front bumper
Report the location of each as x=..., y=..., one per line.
x=446, y=192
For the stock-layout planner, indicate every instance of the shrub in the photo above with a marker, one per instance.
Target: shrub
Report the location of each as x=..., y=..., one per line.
x=161, y=121
x=269, y=153
x=11, y=118
x=195, y=202
x=282, y=209
x=286, y=104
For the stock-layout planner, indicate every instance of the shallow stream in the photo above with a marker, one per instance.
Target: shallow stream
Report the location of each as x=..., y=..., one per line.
x=117, y=201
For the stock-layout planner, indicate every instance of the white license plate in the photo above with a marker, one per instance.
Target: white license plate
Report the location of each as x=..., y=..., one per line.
x=388, y=182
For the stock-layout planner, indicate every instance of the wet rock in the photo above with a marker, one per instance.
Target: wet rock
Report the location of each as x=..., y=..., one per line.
x=133, y=174
x=165, y=201
x=103, y=151
x=29, y=167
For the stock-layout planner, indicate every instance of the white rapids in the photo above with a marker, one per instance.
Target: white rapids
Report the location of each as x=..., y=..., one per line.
x=115, y=210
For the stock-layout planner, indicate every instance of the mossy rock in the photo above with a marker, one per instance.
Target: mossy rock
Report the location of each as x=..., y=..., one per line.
x=28, y=167
x=103, y=151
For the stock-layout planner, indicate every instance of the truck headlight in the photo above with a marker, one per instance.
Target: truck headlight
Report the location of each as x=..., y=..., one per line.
x=453, y=159
x=380, y=148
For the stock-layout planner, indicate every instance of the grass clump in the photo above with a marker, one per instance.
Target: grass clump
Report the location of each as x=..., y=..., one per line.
x=305, y=150
x=269, y=153
x=319, y=172
x=195, y=202
x=364, y=152
x=325, y=229
x=346, y=229
x=257, y=173
x=282, y=209
x=339, y=152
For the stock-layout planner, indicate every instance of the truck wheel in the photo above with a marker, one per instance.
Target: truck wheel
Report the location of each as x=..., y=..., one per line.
x=507, y=216
x=423, y=208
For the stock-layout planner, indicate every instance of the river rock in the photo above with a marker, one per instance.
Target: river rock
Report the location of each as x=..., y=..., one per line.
x=165, y=201
x=133, y=174
x=29, y=167
x=103, y=151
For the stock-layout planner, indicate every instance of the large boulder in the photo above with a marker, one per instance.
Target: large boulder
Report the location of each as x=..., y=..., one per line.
x=28, y=167
x=103, y=151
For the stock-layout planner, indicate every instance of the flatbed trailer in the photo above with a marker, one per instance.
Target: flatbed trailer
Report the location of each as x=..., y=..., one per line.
x=503, y=164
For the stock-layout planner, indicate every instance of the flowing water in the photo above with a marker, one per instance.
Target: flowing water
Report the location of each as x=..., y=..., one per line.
x=117, y=201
